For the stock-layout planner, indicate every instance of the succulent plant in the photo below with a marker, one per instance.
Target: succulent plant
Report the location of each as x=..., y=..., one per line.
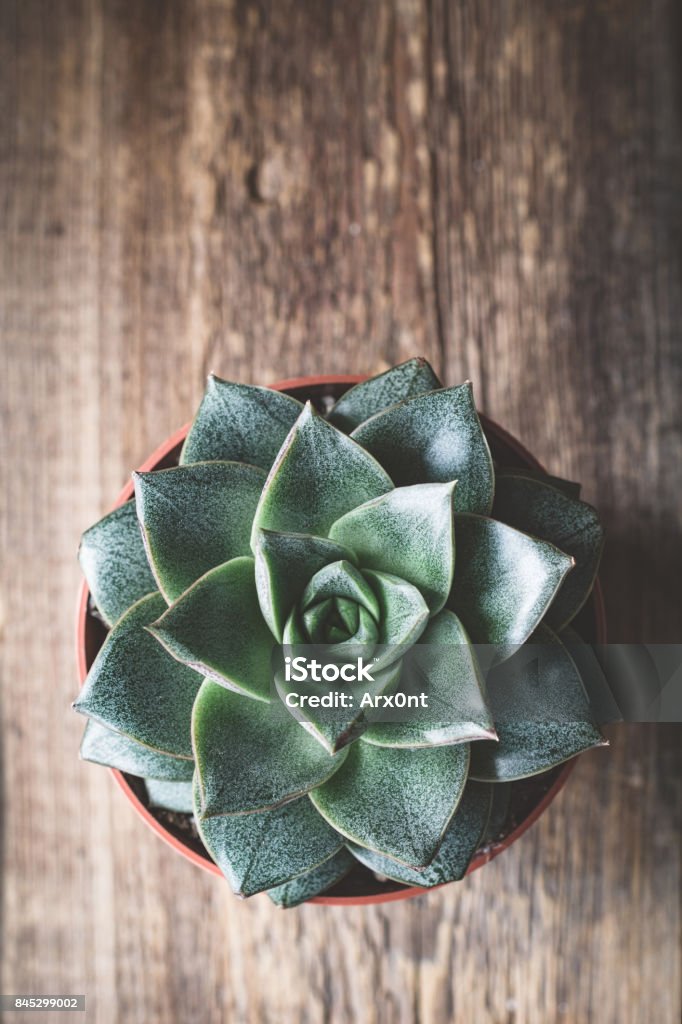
x=383, y=528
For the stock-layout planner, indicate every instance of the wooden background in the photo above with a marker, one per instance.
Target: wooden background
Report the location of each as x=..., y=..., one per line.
x=272, y=189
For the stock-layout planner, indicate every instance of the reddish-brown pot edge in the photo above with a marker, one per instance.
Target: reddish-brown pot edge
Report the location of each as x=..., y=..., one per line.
x=84, y=660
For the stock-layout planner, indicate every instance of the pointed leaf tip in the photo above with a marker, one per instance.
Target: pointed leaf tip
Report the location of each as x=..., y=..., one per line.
x=541, y=710
x=504, y=580
x=216, y=627
x=196, y=517
x=313, y=882
x=318, y=475
x=114, y=562
x=240, y=423
x=369, y=397
x=252, y=756
x=285, y=562
x=434, y=438
x=412, y=794
x=460, y=842
x=136, y=688
x=549, y=512
x=408, y=532
x=263, y=850
x=114, y=750
x=442, y=665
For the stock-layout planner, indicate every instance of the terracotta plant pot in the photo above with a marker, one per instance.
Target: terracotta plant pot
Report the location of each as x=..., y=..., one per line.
x=530, y=798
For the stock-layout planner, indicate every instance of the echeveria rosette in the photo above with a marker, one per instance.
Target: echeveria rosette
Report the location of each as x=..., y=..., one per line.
x=369, y=530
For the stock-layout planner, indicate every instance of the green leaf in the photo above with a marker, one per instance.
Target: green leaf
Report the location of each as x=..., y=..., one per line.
x=295, y=633
x=196, y=517
x=541, y=711
x=316, y=618
x=313, y=882
x=407, y=532
x=217, y=629
x=239, y=423
x=335, y=727
x=261, y=851
x=604, y=706
x=443, y=666
x=403, y=614
x=434, y=438
x=399, y=617
x=114, y=563
x=407, y=380
x=504, y=582
x=340, y=579
x=396, y=802
x=252, y=756
x=319, y=475
x=285, y=562
x=460, y=842
x=113, y=750
x=329, y=632
x=335, y=642
x=170, y=796
x=136, y=688
x=573, y=526
x=568, y=487
x=348, y=613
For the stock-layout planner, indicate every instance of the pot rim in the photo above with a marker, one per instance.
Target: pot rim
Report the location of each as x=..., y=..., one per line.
x=203, y=861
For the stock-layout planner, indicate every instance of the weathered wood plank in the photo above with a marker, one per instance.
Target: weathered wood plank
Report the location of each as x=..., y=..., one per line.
x=266, y=190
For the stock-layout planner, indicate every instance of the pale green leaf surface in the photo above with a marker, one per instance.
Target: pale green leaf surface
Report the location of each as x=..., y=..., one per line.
x=443, y=666
x=114, y=750
x=408, y=532
x=196, y=517
x=435, y=438
x=544, y=511
x=216, y=628
x=261, y=851
x=314, y=882
x=114, y=563
x=403, y=615
x=316, y=618
x=295, y=632
x=239, y=423
x=136, y=688
x=407, y=380
x=285, y=562
x=170, y=796
x=335, y=640
x=340, y=579
x=318, y=476
x=347, y=611
x=541, y=712
x=504, y=580
x=460, y=842
x=252, y=756
x=395, y=801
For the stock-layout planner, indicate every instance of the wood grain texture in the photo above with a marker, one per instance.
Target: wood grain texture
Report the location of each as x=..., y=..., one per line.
x=268, y=190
